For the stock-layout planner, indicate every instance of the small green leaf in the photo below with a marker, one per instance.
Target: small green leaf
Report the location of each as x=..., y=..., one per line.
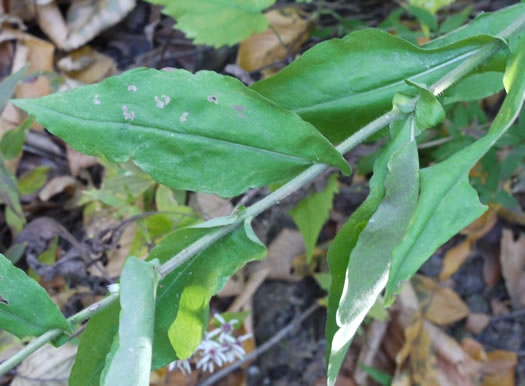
x=380, y=377
x=455, y=21
x=341, y=85
x=447, y=202
x=217, y=23
x=9, y=196
x=345, y=244
x=204, y=132
x=423, y=15
x=131, y=362
x=12, y=142
x=474, y=87
x=25, y=308
x=429, y=111
x=183, y=296
x=32, y=180
x=15, y=252
x=312, y=212
x=431, y=5
x=95, y=344
x=8, y=85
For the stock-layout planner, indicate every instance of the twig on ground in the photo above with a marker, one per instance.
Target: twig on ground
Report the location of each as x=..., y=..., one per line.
x=264, y=347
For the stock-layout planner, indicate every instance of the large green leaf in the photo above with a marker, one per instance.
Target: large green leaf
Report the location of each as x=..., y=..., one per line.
x=369, y=258
x=131, y=363
x=448, y=202
x=217, y=23
x=95, y=343
x=312, y=212
x=205, y=132
x=183, y=296
x=340, y=85
x=474, y=87
x=25, y=307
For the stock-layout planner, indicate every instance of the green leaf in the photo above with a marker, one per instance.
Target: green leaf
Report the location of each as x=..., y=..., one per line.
x=15, y=252
x=341, y=85
x=183, y=296
x=215, y=135
x=377, y=375
x=474, y=87
x=217, y=23
x=455, y=21
x=428, y=112
x=347, y=238
x=312, y=212
x=431, y=5
x=9, y=196
x=8, y=85
x=447, y=202
x=12, y=142
x=25, y=308
x=490, y=23
x=369, y=262
x=131, y=363
x=95, y=343
x=32, y=180
x=423, y=15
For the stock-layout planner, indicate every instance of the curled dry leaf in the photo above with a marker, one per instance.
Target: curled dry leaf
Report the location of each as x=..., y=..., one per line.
x=265, y=48
x=281, y=253
x=52, y=23
x=512, y=257
x=87, y=66
x=212, y=205
x=78, y=160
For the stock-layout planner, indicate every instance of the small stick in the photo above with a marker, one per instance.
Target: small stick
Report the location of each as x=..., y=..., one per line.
x=264, y=347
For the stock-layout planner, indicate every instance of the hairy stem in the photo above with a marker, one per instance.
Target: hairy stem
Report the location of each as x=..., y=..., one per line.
x=477, y=57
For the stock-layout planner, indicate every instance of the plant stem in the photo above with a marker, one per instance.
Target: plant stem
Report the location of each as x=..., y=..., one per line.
x=477, y=57
x=50, y=335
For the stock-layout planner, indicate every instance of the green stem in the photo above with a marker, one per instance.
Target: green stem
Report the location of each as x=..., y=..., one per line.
x=50, y=335
x=477, y=57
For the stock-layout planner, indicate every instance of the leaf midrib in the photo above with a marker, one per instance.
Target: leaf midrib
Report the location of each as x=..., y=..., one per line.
x=397, y=83
x=172, y=132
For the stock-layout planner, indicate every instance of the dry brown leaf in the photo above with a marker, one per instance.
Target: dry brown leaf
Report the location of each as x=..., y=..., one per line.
x=281, y=253
x=498, y=307
x=55, y=186
x=39, y=55
x=455, y=257
x=264, y=48
x=48, y=363
x=499, y=368
x=439, y=305
x=234, y=286
x=374, y=336
x=476, y=323
x=474, y=349
x=52, y=23
x=22, y=9
x=253, y=283
x=512, y=216
x=213, y=206
x=78, y=160
x=512, y=257
x=118, y=257
x=87, y=66
x=87, y=18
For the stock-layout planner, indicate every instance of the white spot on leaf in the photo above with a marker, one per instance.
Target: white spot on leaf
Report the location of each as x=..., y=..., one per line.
x=213, y=99
x=96, y=101
x=162, y=101
x=132, y=87
x=184, y=116
x=128, y=116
